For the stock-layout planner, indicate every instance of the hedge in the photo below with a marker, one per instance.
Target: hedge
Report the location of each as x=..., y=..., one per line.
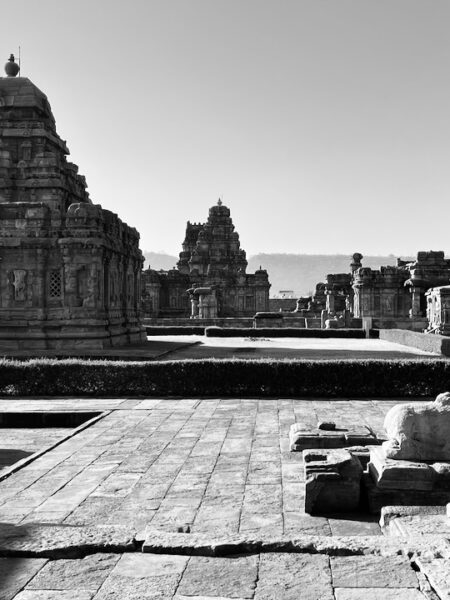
x=175, y=330
x=226, y=378
x=272, y=332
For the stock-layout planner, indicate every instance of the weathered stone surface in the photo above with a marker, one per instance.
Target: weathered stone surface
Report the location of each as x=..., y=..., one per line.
x=137, y=576
x=138, y=565
x=296, y=524
x=400, y=474
x=437, y=571
x=304, y=438
x=85, y=574
x=15, y=573
x=388, y=513
x=377, y=594
x=419, y=432
x=332, y=481
x=420, y=524
x=206, y=544
x=379, y=497
x=53, y=595
x=372, y=571
x=294, y=576
x=62, y=541
x=228, y=577
x=357, y=526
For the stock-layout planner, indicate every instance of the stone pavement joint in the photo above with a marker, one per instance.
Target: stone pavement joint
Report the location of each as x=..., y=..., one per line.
x=37, y=540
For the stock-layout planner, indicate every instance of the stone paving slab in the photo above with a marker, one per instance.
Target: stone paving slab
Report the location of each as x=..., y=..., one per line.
x=136, y=576
x=372, y=571
x=15, y=573
x=218, y=469
x=368, y=593
x=210, y=465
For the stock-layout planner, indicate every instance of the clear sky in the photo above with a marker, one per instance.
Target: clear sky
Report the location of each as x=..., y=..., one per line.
x=323, y=124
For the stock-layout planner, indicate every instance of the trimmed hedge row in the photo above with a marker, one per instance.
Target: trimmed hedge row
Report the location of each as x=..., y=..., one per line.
x=298, y=332
x=175, y=330
x=225, y=378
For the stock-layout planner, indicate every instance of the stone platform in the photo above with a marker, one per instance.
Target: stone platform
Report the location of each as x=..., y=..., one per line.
x=210, y=491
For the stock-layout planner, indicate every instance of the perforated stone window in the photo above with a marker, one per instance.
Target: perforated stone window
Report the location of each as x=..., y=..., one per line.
x=55, y=284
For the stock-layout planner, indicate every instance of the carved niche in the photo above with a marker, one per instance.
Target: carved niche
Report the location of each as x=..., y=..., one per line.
x=18, y=280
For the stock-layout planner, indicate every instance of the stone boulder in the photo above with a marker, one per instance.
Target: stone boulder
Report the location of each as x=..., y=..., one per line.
x=419, y=431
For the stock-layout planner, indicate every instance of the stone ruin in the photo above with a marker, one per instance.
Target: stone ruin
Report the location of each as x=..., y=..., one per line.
x=419, y=431
x=410, y=467
x=70, y=270
x=412, y=295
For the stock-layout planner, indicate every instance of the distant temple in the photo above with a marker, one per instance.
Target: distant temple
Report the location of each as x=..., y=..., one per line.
x=411, y=295
x=70, y=270
x=210, y=280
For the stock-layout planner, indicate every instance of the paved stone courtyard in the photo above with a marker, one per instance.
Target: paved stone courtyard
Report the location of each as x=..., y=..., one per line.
x=189, y=481
x=201, y=347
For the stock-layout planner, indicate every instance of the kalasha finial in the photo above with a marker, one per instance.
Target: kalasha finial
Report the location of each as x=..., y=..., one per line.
x=219, y=202
x=11, y=67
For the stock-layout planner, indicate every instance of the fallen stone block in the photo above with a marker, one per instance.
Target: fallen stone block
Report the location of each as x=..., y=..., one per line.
x=302, y=438
x=400, y=474
x=63, y=541
x=379, y=497
x=332, y=481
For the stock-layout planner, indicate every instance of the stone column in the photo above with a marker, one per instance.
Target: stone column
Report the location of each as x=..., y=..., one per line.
x=330, y=301
x=194, y=307
x=415, y=303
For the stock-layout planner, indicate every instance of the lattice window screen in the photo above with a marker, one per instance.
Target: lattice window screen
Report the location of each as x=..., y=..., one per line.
x=55, y=284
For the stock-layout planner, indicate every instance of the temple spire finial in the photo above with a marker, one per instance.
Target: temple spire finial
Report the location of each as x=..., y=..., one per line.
x=219, y=202
x=11, y=67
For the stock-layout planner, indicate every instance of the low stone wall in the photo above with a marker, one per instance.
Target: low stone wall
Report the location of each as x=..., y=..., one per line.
x=430, y=342
x=417, y=324
x=243, y=322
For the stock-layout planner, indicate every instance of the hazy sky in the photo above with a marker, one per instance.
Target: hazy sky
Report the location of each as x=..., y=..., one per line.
x=323, y=124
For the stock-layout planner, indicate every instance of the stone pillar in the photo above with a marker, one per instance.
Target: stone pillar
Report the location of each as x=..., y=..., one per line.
x=194, y=307
x=415, y=303
x=330, y=301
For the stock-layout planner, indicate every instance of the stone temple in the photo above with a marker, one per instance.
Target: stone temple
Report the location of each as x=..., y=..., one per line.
x=69, y=270
x=210, y=280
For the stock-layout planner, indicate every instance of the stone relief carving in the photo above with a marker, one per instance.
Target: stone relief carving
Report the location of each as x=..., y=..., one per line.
x=419, y=431
x=19, y=283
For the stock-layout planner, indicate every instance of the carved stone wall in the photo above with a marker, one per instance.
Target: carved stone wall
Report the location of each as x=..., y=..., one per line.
x=69, y=270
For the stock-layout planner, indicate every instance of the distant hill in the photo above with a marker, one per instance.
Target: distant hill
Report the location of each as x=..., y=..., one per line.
x=297, y=272
x=159, y=260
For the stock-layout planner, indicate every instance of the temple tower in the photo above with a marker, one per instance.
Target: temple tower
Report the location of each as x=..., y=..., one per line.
x=69, y=270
